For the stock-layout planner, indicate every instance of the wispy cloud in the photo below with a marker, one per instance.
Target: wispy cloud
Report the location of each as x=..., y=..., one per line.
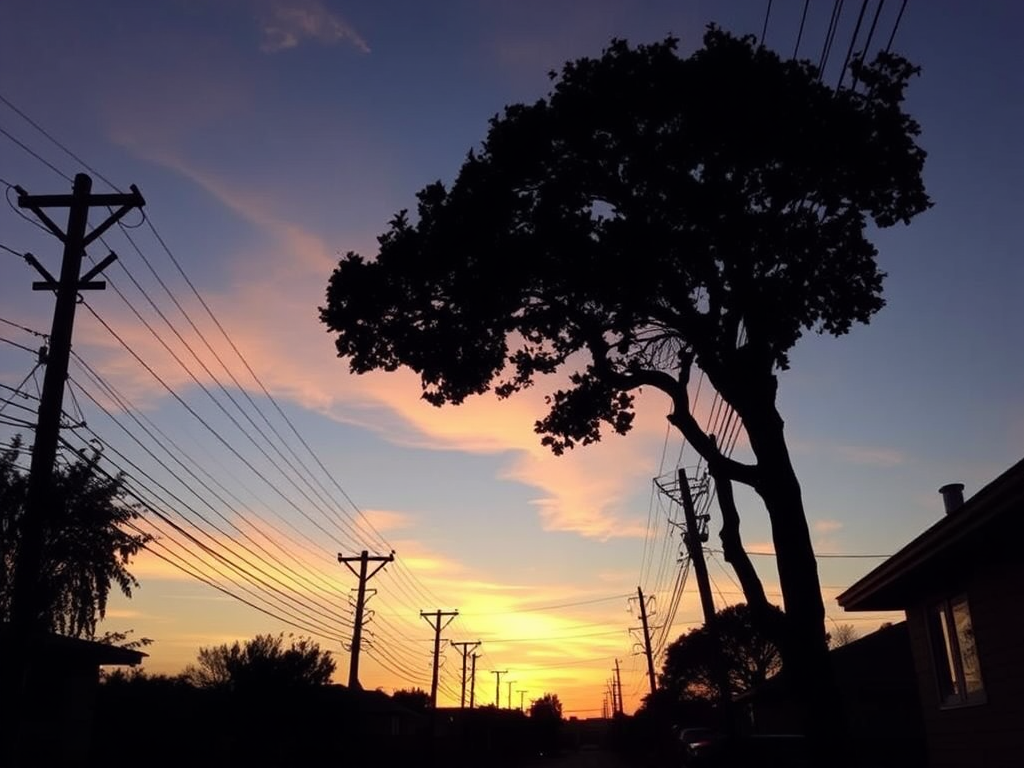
x=826, y=534
x=867, y=455
x=826, y=526
x=876, y=456
x=287, y=24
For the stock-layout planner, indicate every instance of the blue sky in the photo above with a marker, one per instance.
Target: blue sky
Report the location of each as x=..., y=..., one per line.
x=271, y=136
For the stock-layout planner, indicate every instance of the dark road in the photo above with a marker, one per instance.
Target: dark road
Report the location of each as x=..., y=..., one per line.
x=584, y=758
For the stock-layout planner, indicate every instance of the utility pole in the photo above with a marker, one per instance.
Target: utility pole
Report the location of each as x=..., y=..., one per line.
x=693, y=540
x=509, y=684
x=522, y=693
x=464, y=648
x=647, y=639
x=472, y=684
x=497, y=686
x=618, y=684
x=434, y=620
x=26, y=606
x=611, y=694
x=364, y=559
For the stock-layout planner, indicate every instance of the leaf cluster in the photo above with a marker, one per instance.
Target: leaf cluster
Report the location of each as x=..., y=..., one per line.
x=263, y=663
x=547, y=708
x=88, y=541
x=747, y=647
x=651, y=212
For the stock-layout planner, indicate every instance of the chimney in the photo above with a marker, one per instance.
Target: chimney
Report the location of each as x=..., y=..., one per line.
x=952, y=496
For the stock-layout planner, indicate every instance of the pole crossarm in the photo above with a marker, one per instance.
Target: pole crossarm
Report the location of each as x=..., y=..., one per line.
x=124, y=201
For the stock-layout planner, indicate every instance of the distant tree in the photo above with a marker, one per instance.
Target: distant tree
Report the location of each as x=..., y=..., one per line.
x=88, y=541
x=138, y=677
x=262, y=664
x=751, y=656
x=547, y=707
x=843, y=634
x=546, y=722
x=415, y=699
x=652, y=215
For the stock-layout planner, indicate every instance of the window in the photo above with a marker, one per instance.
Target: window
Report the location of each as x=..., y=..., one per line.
x=955, y=653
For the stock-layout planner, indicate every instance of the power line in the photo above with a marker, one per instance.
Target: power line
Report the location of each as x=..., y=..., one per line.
x=34, y=154
x=896, y=26
x=800, y=33
x=45, y=133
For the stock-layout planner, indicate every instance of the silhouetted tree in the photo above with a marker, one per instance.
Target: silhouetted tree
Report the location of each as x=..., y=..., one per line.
x=653, y=214
x=750, y=655
x=546, y=722
x=547, y=707
x=843, y=634
x=262, y=664
x=415, y=699
x=87, y=541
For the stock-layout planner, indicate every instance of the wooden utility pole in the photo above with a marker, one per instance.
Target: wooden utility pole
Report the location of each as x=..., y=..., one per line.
x=27, y=609
x=472, y=684
x=694, y=547
x=497, y=686
x=618, y=685
x=522, y=693
x=509, y=684
x=647, y=639
x=692, y=539
x=364, y=559
x=434, y=620
x=464, y=648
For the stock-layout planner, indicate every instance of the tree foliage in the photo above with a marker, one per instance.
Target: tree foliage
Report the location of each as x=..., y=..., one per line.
x=88, y=541
x=642, y=214
x=842, y=634
x=415, y=699
x=654, y=213
x=547, y=707
x=262, y=664
x=750, y=655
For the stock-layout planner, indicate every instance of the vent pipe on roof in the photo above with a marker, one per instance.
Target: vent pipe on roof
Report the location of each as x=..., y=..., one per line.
x=952, y=496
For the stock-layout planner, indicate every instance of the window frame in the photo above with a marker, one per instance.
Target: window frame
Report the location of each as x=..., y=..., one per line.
x=947, y=654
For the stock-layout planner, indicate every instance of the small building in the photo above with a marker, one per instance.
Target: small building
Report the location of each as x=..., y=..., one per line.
x=878, y=696
x=961, y=584
x=56, y=703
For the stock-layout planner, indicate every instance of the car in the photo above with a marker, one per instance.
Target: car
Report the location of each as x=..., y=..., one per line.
x=699, y=745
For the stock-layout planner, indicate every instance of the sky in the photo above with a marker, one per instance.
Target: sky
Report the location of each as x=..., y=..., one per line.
x=268, y=138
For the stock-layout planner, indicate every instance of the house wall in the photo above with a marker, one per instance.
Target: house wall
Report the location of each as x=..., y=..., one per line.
x=989, y=734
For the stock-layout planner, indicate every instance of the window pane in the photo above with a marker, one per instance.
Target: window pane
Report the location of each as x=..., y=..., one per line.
x=942, y=654
x=968, y=648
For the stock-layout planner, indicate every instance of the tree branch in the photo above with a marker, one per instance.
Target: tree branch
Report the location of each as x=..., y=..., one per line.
x=682, y=419
x=732, y=544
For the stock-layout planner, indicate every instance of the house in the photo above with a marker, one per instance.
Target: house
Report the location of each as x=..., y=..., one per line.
x=961, y=584
x=878, y=695
x=56, y=704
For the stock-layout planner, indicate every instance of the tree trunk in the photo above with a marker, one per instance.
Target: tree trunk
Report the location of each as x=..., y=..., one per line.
x=805, y=649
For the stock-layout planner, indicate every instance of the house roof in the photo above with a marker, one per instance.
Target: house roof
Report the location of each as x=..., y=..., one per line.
x=892, y=584
x=75, y=649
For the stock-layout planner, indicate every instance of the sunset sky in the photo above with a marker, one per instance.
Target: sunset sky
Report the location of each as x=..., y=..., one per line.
x=269, y=137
